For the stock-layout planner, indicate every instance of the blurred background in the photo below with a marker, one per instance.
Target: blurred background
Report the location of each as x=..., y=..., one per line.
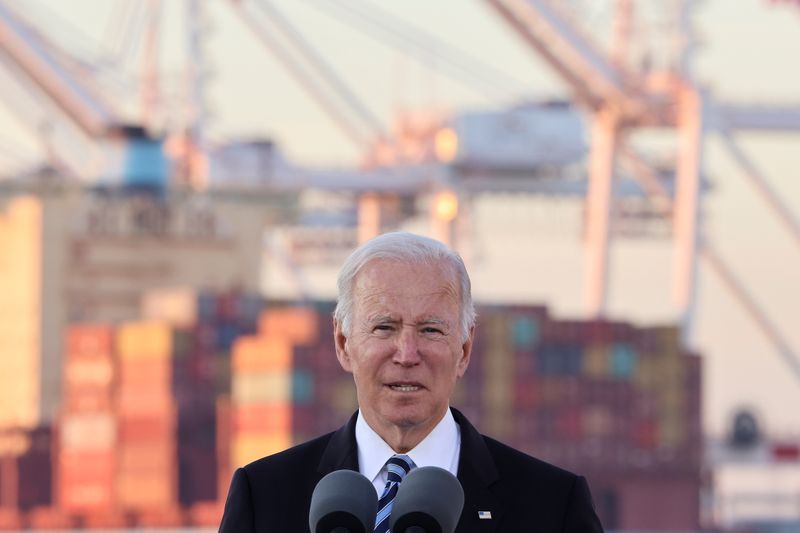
x=180, y=181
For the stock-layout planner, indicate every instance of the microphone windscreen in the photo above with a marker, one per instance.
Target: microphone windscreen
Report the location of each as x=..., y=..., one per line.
x=430, y=498
x=343, y=499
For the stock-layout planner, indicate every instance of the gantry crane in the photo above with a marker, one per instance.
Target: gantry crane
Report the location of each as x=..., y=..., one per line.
x=620, y=99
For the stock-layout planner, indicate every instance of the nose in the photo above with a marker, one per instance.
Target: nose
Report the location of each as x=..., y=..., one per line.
x=407, y=347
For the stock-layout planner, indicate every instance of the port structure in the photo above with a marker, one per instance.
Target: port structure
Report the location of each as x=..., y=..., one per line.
x=622, y=90
x=621, y=97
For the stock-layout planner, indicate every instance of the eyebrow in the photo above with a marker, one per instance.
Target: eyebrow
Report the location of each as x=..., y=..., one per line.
x=387, y=319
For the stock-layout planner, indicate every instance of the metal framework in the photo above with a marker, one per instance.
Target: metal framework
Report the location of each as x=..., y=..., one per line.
x=619, y=97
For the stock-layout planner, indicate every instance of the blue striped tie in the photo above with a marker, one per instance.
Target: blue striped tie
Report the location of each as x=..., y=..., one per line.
x=398, y=466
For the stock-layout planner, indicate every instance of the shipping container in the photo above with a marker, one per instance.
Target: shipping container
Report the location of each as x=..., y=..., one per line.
x=89, y=341
x=176, y=306
x=88, y=432
x=151, y=339
x=261, y=354
x=87, y=373
x=298, y=324
x=156, y=457
x=143, y=490
x=46, y=517
x=249, y=447
x=261, y=418
x=159, y=427
x=260, y=388
x=205, y=514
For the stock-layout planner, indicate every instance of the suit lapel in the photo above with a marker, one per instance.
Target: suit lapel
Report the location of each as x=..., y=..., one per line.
x=477, y=473
x=341, y=452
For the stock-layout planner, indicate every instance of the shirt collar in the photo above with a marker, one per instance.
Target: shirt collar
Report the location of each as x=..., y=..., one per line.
x=440, y=448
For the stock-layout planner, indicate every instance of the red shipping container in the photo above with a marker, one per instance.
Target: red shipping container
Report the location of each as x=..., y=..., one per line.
x=786, y=451
x=644, y=433
x=257, y=418
x=171, y=517
x=88, y=372
x=89, y=340
x=156, y=428
x=150, y=373
x=86, y=465
x=261, y=354
x=147, y=490
x=80, y=495
x=297, y=324
x=206, y=514
x=105, y=519
x=568, y=424
x=144, y=402
x=87, y=400
x=158, y=458
x=49, y=518
x=10, y=519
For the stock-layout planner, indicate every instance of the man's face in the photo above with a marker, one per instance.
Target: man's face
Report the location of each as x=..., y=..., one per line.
x=405, y=348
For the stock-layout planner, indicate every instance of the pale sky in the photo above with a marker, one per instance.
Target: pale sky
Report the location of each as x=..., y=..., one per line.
x=748, y=53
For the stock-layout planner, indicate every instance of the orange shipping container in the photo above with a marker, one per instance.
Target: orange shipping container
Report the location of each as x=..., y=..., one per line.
x=261, y=354
x=143, y=491
x=248, y=448
x=144, y=401
x=87, y=401
x=49, y=518
x=157, y=458
x=89, y=340
x=105, y=518
x=146, y=428
x=10, y=519
x=75, y=495
x=206, y=514
x=177, y=306
x=170, y=517
x=255, y=418
x=88, y=431
x=272, y=387
x=86, y=464
x=83, y=372
x=298, y=324
x=144, y=340
x=145, y=372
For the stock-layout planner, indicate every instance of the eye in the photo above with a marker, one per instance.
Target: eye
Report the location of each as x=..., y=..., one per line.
x=431, y=330
x=383, y=327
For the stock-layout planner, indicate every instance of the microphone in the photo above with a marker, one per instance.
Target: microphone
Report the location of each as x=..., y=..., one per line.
x=429, y=500
x=344, y=501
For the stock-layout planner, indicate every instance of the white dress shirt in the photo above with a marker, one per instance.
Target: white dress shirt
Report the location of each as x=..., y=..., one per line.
x=440, y=448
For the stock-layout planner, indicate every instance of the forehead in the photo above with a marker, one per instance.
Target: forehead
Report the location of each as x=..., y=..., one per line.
x=384, y=282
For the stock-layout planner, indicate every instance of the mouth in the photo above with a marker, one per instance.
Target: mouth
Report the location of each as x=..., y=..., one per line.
x=404, y=386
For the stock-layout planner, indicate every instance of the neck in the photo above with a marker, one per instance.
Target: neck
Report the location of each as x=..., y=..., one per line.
x=404, y=438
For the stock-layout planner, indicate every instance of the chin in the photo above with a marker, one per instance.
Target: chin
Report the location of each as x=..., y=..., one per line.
x=408, y=417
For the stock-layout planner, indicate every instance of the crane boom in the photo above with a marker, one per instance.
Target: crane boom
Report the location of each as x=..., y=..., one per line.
x=594, y=79
x=39, y=61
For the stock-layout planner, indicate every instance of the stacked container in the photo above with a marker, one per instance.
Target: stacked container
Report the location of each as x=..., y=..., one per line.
x=88, y=435
x=25, y=470
x=323, y=395
x=262, y=382
x=147, y=416
x=201, y=387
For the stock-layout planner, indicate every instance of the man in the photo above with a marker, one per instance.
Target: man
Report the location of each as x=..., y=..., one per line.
x=404, y=326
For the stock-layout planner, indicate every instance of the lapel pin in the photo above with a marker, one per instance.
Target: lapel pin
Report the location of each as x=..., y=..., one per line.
x=485, y=515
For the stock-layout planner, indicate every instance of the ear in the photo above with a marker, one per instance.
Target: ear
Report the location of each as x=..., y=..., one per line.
x=340, y=342
x=466, y=352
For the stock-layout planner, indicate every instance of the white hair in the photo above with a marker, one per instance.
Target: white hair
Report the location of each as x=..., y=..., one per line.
x=409, y=248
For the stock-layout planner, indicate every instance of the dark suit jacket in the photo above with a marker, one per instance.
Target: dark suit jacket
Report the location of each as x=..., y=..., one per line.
x=522, y=493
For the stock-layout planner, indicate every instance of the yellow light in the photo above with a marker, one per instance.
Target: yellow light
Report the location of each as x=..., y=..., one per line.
x=446, y=145
x=446, y=206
